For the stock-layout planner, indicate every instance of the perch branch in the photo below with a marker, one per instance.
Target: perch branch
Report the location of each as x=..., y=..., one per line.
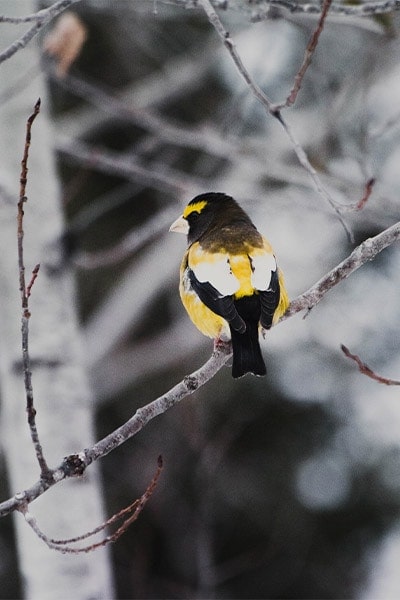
x=75, y=465
x=365, y=252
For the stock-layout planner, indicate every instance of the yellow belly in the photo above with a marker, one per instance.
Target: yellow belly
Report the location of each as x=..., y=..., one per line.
x=205, y=319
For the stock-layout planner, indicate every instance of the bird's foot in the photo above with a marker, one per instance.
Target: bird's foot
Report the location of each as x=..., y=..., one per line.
x=223, y=346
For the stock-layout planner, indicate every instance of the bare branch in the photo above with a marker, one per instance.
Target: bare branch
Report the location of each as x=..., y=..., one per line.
x=365, y=252
x=367, y=193
x=25, y=293
x=271, y=108
x=35, y=273
x=44, y=14
x=366, y=9
x=311, y=46
x=366, y=370
x=75, y=465
x=39, y=19
x=229, y=44
x=304, y=161
x=365, y=197
x=163, y=179
x=159, y=126
x=22, y=199
x=129, y=244
x=128, y=516
x=260, y=10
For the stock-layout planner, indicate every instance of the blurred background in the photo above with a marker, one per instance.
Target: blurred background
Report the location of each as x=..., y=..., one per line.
x=286, y=486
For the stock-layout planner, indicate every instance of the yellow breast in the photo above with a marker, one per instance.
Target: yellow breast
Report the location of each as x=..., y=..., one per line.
x=205, y=319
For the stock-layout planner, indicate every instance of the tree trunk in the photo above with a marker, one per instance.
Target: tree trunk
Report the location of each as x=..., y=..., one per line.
x=62, y=397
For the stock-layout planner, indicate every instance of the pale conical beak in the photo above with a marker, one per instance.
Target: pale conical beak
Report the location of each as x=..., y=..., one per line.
x=180, y=226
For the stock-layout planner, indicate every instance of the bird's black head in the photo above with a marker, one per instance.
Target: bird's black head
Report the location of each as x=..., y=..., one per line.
x=211, y=210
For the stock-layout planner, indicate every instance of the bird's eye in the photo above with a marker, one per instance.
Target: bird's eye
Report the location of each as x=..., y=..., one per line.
x=194, y=216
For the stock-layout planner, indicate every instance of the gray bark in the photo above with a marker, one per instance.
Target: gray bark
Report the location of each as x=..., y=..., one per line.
x=62, y=395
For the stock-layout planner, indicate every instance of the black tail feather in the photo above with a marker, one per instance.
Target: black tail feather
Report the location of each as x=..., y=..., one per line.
x=247, y=357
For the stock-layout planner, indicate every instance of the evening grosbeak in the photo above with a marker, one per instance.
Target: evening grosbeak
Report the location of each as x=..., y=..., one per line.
x=230, y=284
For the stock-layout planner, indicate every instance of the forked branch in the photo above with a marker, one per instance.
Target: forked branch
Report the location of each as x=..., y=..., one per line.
x=25, y=292
x=276, y=109
x=126, y=516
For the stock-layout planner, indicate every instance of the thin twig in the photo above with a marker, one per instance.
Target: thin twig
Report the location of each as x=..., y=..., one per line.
x=159, y=126
x=128, y=515
x=304, y=161
x=229, y=44
x=366, y=9
x=369, y=186
x=311, y=46
x=25, y=292
x=161, y=178
x=46, y=13
x=35, y=273
x=367, y=193
x=128, y=244
x=366, y=370
x=22, y=199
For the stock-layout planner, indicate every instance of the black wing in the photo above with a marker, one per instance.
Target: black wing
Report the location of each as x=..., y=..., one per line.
x=221, y=305
x=270, y=300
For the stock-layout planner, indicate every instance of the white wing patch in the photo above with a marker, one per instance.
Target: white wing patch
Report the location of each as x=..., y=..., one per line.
x=262, y=266
x=219, y=274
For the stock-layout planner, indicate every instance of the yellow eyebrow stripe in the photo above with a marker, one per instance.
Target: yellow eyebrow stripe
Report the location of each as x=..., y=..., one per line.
x=196, y=207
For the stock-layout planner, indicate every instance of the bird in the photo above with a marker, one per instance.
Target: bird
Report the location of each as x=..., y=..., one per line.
x=230, y=284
